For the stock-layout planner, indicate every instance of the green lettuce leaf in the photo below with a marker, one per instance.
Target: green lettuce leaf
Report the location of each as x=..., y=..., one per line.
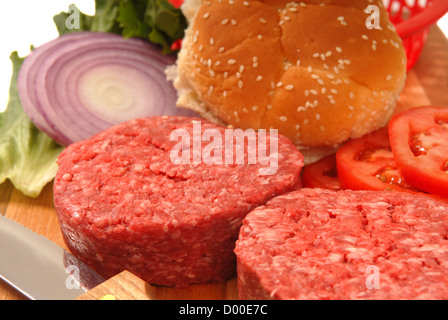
x=27, y=156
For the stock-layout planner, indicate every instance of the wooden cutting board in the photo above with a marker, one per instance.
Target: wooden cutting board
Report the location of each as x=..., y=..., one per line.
x=426, y=84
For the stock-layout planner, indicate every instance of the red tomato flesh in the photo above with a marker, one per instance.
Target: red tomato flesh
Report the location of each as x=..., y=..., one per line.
x=419, y=142
x=322, y=174
x=367, y=163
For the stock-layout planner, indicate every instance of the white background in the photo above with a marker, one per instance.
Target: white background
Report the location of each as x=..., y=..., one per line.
x=29, y=22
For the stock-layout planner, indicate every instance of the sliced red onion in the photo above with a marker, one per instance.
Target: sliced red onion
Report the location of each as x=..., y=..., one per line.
x=82, y=83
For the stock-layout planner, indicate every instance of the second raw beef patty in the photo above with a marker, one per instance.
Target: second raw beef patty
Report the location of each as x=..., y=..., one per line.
x=319, y=244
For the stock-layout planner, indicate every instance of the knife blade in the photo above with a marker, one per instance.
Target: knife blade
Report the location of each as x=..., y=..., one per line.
x=42, y=270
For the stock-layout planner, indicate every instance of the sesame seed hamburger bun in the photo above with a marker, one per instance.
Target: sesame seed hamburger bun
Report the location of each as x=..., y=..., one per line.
x=311, y=69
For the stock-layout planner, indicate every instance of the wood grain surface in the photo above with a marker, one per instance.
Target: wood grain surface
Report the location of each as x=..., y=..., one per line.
x=427, y=83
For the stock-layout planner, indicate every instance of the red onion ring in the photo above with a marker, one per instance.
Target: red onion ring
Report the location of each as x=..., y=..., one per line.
x=82, y=83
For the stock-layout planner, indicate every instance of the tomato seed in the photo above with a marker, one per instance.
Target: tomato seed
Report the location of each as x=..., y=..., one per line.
x=392, y=176
x=417, y=146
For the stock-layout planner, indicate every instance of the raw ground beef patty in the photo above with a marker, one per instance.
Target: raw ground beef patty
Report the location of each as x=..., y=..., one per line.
x=123, y=204
x=318, y=244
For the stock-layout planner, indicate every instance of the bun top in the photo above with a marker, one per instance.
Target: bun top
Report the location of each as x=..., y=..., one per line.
x=311, y=69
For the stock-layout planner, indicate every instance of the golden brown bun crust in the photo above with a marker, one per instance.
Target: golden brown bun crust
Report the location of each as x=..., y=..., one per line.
x=312, y=69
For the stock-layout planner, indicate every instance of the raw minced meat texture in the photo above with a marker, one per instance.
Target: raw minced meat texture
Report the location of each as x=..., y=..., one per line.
x=122, y=202
x=320, y=244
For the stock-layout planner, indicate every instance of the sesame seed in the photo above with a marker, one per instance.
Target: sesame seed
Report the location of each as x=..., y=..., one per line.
x=259, y=78
x=279, y=84
x=245, y=110
x=240, y=84
x=254, y=108
x=289, y=87
x=221, y=50
x=389, y=77
x=212, y=41
x=365, y=37
x=206, y=15
x=246, y=3
x=269, y=107
x=262, y=20
x=338, y=49
x=317, y=116
x=233, y=21
x=260, y=37
x=224, y=22
x=283, y=118
x=241, y=68
x=231, y=61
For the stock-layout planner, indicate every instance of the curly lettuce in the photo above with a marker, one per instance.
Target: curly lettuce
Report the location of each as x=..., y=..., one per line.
x=158, y=21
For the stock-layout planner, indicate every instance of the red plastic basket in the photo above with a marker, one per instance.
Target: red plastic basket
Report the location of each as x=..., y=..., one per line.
x=412, y=19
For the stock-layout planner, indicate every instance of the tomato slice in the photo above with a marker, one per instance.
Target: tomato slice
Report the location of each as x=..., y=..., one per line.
x=322, y=174
x=367, y=163
x=419, y=142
